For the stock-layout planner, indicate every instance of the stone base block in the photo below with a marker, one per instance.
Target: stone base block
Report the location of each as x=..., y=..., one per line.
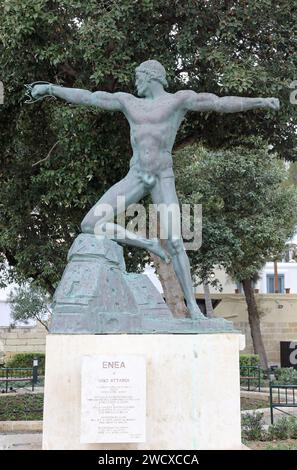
x=97, y=296
x=193, y=389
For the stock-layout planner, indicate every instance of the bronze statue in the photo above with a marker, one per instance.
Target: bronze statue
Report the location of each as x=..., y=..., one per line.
x=154, y=118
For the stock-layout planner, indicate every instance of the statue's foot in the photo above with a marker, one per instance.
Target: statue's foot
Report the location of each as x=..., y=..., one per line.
x=158, y=250
x=195, y=312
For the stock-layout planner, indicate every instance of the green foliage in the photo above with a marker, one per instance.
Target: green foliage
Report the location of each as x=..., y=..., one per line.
x=293, y=427
x=280, y=429
x=220, y=47
x=285, y=376
x=29, y=302
x=284, y=428
x=248, y=211
x=291, y=445
x=293, y=173
x=21, y=407
x=24, y=360
x=249, y=367
x=252, y=404
x=249, y=360
x=252, y=426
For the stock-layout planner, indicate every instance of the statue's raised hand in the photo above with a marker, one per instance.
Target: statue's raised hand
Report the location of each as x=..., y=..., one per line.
x=272, y=103
x=37, y=91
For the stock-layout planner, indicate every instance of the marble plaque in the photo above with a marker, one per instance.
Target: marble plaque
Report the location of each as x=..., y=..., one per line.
x=113, y=398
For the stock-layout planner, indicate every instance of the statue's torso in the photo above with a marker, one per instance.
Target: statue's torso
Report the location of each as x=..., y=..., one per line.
x=153, y=128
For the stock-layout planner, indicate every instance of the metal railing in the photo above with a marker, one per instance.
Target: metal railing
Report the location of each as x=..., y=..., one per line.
x=282, y=396
x=18, y=376
x=250, y=375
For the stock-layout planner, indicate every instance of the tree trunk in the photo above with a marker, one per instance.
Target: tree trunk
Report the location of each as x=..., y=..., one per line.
x=43, y=323
x=207, y=299
x=254, y=321
x=172, y=290
x=276, y=287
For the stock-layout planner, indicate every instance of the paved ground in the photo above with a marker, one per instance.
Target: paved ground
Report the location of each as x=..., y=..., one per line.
x=20, y=441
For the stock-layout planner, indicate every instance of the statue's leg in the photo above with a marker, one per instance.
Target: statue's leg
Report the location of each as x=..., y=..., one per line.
x=164, y=193
x=100, y=219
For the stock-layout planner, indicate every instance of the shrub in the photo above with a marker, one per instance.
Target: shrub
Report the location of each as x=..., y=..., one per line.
x=249, y=360
x=21, y=407
x=245, y=362
x=26, y=360
x=293, y=427
x=285, y=376
x=284, y=428
x=252, y=425
x=279, y=430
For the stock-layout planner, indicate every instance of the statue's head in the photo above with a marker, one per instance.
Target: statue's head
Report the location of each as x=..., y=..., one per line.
x=148, y=71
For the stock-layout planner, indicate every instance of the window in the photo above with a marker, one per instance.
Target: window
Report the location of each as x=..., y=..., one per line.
x=239, y=287
x=270, y=283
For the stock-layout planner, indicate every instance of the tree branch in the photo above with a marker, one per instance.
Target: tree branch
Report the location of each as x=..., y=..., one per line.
x=42, y=323
x=48, y=155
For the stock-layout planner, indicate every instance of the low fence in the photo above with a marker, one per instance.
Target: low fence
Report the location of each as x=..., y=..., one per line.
x=280, y=397
x=11, y=377
x=250, y=377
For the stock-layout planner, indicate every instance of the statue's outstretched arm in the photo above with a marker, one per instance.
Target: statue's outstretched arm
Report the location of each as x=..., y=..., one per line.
x=228, y=104
x=101, y=99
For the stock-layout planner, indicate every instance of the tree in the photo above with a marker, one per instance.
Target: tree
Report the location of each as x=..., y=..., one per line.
x=249, y=212
x=293, y=173
x=29, y=302
x=208, y=303
x=224, y=47
x=173, y=293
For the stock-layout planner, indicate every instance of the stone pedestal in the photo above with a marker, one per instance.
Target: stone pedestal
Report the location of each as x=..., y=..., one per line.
x=193, y=389
x=97, y=296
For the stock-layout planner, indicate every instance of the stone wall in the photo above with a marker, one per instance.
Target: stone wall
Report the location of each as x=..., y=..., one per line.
x=22, y=339
x=278, y=319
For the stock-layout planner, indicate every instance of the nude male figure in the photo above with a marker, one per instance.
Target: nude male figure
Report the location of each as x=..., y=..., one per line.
x=154, y=120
